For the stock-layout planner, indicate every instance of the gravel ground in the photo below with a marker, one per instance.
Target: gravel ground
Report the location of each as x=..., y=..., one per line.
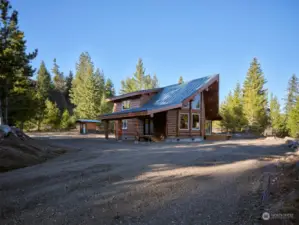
x=107, y=182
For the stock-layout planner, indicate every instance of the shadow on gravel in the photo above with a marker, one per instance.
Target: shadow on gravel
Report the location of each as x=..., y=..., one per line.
x=108, y=182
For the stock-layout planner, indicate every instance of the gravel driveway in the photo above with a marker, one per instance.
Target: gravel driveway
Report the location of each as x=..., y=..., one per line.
x=107, y=182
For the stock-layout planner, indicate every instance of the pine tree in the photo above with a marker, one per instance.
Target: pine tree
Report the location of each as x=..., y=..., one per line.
x=14, y=61
x=52, y=115
x=87, y=89
x=109, y=92
x=292, y=93
x=293, y=120
x=232, y=111
x=23, y=102
x=255, y=98
x=276, y=118
x=181, y=80
x=68, y=83
x=139, y=81
x=43, y=81
x=42, y=92
x=109, y=87
x=65, y=120
x=59, y=81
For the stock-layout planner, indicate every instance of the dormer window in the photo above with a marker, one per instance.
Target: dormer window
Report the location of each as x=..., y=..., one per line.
x=125, y=105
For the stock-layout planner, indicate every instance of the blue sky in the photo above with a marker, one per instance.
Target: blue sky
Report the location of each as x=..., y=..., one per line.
x=188, y=38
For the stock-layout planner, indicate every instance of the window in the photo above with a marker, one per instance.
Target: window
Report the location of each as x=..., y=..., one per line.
x=195, y=121
x=186, y=105
x=124, y=124
x=208, y=126
x=125, y=105
x=196, y=102
x=184, y=121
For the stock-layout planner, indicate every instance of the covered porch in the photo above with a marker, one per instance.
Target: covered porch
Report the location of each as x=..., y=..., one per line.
x=138, y=126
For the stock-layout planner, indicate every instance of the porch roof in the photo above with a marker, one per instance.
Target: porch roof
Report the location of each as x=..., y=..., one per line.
x=169, y=97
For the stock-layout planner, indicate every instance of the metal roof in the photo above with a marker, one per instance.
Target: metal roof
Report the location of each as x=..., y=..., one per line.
x=88, y=121
x=170, y=95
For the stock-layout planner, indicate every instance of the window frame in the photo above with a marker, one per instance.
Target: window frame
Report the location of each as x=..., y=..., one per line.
x=123, y=103
x=210, y=123
x=198, y=114
x=179, y=122
x=122, y=125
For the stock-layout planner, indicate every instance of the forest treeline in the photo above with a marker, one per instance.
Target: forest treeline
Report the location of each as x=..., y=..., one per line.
x=247, y=107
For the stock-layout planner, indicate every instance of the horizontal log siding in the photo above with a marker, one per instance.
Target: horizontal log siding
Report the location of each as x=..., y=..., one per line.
x=171, y=123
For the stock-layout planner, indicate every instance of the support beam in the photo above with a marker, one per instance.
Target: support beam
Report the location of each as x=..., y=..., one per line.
x=119, y=129
x=106, y=128
x=190, y=118
x=203, y=115
x=178, y=122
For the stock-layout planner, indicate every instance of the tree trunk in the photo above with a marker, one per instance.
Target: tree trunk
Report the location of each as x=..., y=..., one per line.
x=6, y=109
x=1, y=115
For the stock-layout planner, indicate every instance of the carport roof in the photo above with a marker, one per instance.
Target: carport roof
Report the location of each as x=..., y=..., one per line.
x=169, y=97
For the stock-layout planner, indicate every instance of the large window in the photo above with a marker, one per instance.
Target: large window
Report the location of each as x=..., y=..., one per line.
x=184, y=121
x=195, y=121
x=208, y=126
x=196, y=102
x=124, y=124
x=125, y=105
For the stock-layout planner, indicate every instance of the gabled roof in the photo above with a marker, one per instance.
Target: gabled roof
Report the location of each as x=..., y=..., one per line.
x=131, y=94
x=169, y=97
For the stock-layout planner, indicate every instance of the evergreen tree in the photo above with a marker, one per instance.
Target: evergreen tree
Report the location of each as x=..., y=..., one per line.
x=109, y=87
x=181, y=80
x=255, y=98
x=14, y=61
x=68, y=83
x=23, y=102
x=109, y=92
x=232, y=111
x=42, y=92
x=59, y=81
x=65, y=120
x=293, y=120
x=276, y=118
x=87, y=89
x=292, y=93
x=52, y=115
x=139, y=81
x=43, y=81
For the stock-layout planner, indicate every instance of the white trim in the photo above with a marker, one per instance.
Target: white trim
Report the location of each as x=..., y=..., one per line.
x=198, y=121
x=122, y=104
x=122, y=126
x=179, y=122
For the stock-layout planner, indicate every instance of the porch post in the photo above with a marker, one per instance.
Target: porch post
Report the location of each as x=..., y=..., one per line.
x=190, y=118
x=119, y=129
x=106, y=128
x=203, y=115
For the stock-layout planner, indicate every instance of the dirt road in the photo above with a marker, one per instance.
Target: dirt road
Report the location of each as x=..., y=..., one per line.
x=106, y=182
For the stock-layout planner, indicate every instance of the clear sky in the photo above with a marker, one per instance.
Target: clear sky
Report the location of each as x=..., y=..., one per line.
x=188, y=38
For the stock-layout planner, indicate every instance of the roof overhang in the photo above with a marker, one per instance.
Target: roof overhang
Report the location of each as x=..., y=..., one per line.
x=145, y=112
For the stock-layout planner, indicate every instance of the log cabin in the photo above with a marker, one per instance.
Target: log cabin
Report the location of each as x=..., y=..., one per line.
x=172, y=113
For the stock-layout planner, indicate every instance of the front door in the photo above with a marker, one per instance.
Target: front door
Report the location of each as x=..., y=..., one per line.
x=148, y=127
